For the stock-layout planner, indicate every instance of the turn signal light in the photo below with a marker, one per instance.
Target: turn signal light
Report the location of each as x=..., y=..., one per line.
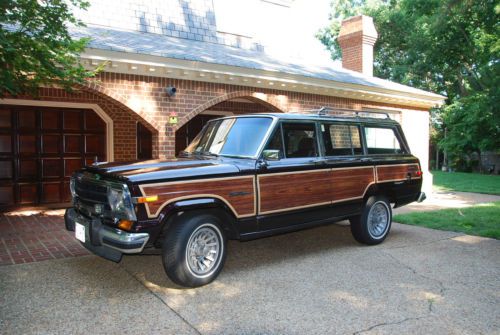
x=418, y=173
x=125, y=224
x=151, y=198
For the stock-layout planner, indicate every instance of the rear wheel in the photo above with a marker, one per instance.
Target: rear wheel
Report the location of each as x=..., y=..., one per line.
x=194, y=250
x=374, y=223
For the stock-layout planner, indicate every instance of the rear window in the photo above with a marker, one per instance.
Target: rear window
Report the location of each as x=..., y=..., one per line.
x=382, y=141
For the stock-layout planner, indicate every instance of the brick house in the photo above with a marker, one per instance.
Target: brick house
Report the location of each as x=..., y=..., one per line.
x=217, y=68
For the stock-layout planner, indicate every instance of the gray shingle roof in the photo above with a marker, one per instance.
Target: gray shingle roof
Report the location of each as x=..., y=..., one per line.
x=201, y=51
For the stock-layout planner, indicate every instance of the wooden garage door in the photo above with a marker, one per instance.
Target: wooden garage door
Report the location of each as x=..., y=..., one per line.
x=40, y=147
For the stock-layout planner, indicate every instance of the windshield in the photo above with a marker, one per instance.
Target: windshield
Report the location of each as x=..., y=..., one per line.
x=231, y=137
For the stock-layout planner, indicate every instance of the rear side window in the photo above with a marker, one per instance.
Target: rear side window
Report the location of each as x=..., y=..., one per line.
x=382, y=141
x=341, y=139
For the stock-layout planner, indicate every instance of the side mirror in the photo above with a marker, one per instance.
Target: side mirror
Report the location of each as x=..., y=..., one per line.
x=271, y=155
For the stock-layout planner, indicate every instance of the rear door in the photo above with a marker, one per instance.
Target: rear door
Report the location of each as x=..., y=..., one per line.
x=352, y=172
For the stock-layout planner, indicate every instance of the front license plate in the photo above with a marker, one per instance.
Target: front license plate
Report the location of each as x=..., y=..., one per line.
x=80, y=232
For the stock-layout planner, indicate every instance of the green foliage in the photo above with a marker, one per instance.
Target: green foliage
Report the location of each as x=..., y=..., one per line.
x=36, y=48
x=451, y=47
x=480, y=220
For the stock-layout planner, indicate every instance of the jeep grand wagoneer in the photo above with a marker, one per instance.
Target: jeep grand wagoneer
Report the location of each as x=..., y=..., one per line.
x=246, y=177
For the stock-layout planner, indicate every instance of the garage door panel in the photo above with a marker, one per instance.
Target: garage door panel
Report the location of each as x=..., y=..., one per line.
x=72, y=120
x=27, y=169
x=71, y=165
x=95, y=144
x=5, y=118
x=6, y=144
x=93, y=122
x=66, y=193
x=51, y=168
x=6, y=169
x=27, y=144
x=51, y=192
x=7, y=195
x=27, y=119
x=50, y=119
x=72, y=144
x=50, y=144
x=28, y=193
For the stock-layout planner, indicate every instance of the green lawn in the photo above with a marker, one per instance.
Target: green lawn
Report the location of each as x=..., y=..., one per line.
x=466, y=182
x=480, y=220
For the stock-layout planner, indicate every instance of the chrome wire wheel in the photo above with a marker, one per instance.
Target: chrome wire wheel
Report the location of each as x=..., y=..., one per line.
x=378, y=219
x=204, y=250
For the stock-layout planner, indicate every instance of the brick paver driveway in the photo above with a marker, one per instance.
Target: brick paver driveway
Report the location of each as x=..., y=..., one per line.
x=31, y=236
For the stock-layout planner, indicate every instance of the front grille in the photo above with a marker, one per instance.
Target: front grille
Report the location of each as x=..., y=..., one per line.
x=90, y=191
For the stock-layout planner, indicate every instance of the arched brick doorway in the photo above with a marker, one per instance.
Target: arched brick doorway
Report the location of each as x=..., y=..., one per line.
x=236, y=106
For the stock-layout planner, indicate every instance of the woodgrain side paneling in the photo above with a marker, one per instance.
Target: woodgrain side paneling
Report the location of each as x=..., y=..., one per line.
x=293, y=190
x=397, y=172
x=351, y=183
x=237, y=192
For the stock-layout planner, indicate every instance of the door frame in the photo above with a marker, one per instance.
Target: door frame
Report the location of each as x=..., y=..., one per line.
x=110, y=157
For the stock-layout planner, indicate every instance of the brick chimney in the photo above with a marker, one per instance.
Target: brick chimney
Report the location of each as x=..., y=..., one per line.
x=356, y=39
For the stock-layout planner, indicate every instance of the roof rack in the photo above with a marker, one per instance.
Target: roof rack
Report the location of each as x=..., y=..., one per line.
x=344, y=112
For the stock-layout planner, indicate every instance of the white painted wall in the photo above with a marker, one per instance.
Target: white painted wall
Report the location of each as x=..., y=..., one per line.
x=415, y=125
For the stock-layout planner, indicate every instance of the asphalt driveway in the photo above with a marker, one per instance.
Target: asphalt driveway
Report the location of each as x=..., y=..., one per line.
x=320, y=281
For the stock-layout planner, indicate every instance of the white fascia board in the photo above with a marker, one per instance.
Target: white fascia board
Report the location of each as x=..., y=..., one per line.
x=140, y=64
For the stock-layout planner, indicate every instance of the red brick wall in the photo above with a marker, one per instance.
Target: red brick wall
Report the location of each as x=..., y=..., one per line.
x=130, y=98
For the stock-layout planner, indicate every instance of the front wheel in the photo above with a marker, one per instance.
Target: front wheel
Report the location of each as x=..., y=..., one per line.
x=194, y=250
x=374, y=223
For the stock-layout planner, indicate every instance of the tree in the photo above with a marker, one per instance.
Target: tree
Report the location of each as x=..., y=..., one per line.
x=36, y=48
x=450, y=47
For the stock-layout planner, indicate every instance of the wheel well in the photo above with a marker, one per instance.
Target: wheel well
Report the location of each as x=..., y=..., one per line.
x=227, y=220
x=380, y=189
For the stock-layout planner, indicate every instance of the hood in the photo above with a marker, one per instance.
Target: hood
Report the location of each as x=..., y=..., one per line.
x=156, y=170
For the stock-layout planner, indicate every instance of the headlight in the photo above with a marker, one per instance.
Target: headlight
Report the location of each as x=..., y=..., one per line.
x=115, y=199
x=121, y=203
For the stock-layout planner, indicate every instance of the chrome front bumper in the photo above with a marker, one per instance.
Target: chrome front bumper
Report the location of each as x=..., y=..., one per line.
x=105, y=241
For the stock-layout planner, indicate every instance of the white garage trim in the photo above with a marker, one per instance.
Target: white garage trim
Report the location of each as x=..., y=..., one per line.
x=102, y=114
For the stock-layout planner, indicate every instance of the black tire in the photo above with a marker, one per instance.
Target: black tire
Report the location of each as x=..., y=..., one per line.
x=365, y=227
x=183, y=266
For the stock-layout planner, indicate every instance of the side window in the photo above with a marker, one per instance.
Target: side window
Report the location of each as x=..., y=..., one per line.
x=276, y=142
x=341, y=139
x=300, y=140
x=382, y=141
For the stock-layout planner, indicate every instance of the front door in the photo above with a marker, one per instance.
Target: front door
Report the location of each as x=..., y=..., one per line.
x=296, y=188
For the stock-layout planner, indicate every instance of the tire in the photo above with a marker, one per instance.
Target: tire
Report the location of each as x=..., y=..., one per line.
x=194, y=250
x=374, y=223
